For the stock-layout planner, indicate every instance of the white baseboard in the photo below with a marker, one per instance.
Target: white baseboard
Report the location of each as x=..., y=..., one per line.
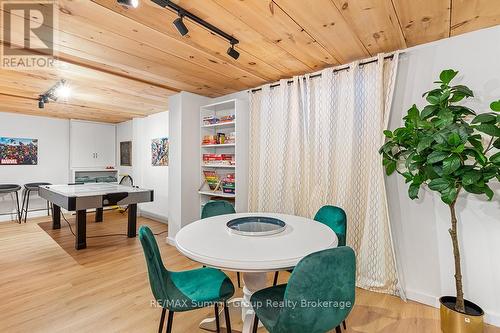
x=171, y=241
x=42, y=213
x=8, y=218
x=489, y=317
x=492, y=318
x=153, y=216
x=422, y=298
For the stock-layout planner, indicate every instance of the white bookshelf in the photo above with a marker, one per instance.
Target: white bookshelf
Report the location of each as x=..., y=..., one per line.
x=219, y=194
x=218, y=166
x=239, y=148
x=219, y=145
x=221, y=125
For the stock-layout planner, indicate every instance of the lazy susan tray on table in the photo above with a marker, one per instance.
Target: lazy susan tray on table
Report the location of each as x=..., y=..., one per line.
x=256, y=226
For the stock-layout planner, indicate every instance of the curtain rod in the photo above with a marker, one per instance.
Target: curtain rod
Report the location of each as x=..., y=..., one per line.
x=335, y=71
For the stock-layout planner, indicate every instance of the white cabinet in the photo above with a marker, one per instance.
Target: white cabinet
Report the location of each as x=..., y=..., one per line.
x=92, y=145
x=105, y=144
x=82, y=144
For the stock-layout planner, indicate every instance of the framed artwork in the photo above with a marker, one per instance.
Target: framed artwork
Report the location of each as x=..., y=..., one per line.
x=126, y=153
x=18, y=151
x=159, y=152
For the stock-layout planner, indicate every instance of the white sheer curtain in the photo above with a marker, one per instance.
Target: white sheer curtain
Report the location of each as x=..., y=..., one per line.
x=314, y=142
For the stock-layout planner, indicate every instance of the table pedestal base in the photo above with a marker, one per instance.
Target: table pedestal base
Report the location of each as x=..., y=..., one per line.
x=240, y=306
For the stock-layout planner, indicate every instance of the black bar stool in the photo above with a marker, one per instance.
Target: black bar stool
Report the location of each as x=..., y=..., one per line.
x=28, y=188
x=12, y=188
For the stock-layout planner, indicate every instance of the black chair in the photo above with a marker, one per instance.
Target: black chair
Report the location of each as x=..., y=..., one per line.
x=12, y=188
x=28, y=188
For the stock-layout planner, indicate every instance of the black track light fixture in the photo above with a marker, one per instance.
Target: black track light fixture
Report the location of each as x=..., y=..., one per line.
x=41, y=102
x=61, y=90
x=233, y=53
x=180, y=26
x=129, y=3
x=183, y=30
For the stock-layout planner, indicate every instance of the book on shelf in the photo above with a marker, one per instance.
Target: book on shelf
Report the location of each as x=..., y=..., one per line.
x=226, y=119
x=218, y=139
x=218, y=159
x=210, y=120
x=213, y=120
x=228, y=184
x=230, y=137
x=209, y=140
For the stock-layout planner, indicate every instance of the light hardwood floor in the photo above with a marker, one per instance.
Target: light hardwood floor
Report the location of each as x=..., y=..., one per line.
x=48, y=286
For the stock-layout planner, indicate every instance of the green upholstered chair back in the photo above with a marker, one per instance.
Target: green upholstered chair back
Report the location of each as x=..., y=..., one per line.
x=336, y=219
x=217, y=207
x=181, y=291
x=158, y=275
x=327, y=276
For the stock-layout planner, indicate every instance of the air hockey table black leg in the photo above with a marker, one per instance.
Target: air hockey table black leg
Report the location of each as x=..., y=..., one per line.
x=56, y=217
x=81, y=230
x=132, y=220
x=98, y=214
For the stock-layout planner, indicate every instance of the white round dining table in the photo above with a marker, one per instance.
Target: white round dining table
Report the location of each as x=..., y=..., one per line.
x=211, y=243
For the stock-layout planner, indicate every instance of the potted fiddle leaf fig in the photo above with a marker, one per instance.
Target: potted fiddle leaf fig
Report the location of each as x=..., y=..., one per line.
x=448, y=148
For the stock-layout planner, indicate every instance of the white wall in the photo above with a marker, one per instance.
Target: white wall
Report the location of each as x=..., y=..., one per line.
x=53, y=155
x=175, y=167
x=242, y=95
x=184, y=109
x=144, y=174
x=420, y=227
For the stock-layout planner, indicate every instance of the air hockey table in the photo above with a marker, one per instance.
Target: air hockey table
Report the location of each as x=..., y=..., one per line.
x=80, y=197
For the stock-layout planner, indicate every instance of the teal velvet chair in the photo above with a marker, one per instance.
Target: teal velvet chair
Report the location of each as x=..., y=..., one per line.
x=219, y=207
x=187, y=290
x=325, y=276
x=335, y=218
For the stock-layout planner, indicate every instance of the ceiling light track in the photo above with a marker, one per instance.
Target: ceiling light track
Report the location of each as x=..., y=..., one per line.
x=184, y=13
x=181, y=27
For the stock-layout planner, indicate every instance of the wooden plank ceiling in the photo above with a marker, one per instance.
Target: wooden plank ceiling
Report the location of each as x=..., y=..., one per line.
x=123, y=63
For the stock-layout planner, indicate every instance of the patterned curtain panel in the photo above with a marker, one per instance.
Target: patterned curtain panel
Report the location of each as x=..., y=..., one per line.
x=315, y=142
